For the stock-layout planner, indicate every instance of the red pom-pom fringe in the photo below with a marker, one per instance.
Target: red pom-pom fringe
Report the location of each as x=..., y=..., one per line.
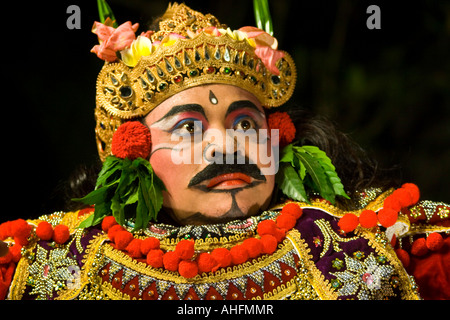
x=188, y=269
x=348, y=222
x=185, y=249
x=108, y=222
x=61, y=234
x=434, y=241
x=403, y=255
x=44, y=230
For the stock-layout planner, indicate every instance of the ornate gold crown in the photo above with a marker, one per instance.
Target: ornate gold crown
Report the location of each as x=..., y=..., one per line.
x=189, y=50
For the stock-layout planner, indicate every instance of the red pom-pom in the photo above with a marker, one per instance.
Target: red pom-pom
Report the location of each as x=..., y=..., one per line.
x=286, y=221
x=266, y=227
x=150, y=243
x=44, y=230
x=283, y=122
x=269, y=244
x=207, y=263
x=413, y=190
x=253, y=246
x=403, y=256
x=171, y=260
x=108, y=222
x=61, y=233
x=419, y=247
x=185, y=249
x=123, y=239
x=435, y=241
x=134, y=248
x=155, y=258
x=16, y=252
x=348, y=222
x=368, y=219
x=403, y=196
x=113, y=231
x=239, y=254
x=188, y=269
x=292, y=209
x=21, y=230
x=392, y=203
x=5, y=230
x=5, y=259
x=387, y=217
x=222, y=256
x=132, y=140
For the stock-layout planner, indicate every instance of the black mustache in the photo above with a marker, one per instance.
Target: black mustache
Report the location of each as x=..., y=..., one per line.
x=213, y=170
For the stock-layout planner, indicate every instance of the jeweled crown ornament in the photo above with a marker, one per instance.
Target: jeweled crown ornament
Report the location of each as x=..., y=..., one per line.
x=188, y=50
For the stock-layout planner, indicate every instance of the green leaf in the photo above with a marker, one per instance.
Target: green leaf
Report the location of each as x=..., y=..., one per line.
x=317, y=174
x=287, y=154
x=104, y=12
x=291, y=184
x=330, y=170
x=110, y=166
x=262, y=16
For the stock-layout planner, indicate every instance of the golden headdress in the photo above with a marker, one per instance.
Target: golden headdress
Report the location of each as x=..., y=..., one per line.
x=188, y=50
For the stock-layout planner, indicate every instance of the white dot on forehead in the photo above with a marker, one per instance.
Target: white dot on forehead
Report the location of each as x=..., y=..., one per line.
x=212, y=98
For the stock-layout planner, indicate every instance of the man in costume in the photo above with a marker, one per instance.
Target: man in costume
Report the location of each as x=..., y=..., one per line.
x=208, y=193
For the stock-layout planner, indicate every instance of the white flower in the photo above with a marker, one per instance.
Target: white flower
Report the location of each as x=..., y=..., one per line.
x=142, y=46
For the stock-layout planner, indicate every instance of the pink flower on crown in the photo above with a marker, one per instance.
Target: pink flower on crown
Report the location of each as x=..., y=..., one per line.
x=265, y=47
x=113, y=39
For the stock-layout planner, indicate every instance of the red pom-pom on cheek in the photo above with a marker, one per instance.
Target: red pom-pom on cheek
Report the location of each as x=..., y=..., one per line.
x=131, y=140
x=283, y=122
x=61, y=234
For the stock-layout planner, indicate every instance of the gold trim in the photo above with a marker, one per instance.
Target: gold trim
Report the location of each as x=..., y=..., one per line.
x=18, y=284
x=91, y=264
x=315, y=277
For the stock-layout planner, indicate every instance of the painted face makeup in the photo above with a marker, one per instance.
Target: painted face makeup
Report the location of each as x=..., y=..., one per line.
x=214, y=130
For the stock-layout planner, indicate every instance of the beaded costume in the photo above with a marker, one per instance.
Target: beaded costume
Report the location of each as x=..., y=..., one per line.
x=296, y=250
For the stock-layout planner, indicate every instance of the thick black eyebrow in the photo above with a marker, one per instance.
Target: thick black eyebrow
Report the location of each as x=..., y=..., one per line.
x=184, y=108
x=236, y=105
